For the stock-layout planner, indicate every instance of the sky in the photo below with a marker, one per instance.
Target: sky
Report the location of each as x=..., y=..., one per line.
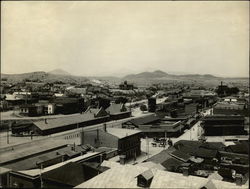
x=116, y=38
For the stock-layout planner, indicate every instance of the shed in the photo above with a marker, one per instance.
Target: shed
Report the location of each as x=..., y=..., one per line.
x=144, y=179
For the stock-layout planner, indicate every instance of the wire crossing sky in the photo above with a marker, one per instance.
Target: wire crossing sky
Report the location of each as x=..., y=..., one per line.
x=117, y=38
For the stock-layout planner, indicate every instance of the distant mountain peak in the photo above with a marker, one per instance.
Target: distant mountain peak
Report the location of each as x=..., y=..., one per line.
x=159, y=72
x=59, y=72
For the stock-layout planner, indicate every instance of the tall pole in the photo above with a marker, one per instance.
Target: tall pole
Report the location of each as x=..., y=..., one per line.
x=9, y=126
x=41, y=175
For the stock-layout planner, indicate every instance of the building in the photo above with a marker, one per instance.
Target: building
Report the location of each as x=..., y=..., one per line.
x=231, y=106
x=151, y=104
x=223, y=125
x=118, y=111
x=49, y=126
x=64, y=174
x=129, y=176
x=153, y=126
x=31, y=110
x=65, y=105
x=126, y=86
x=127, y=141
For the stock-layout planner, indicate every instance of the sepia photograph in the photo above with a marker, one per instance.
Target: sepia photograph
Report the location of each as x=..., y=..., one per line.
x=124, y=94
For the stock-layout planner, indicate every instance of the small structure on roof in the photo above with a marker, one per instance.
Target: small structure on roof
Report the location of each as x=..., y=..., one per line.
x=144, y=179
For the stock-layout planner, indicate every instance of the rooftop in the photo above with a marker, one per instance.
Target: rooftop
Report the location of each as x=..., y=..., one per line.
x=125, y=176
x=122, y=133
x=25, y=150
x=64, y=121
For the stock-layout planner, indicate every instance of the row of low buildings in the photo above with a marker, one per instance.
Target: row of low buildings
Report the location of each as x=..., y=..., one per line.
x=90, y=117
x=86, y=166
x=230, y=117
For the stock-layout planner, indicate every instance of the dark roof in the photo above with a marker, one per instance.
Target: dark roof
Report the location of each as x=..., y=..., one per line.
x=242, y=148
x=171, y=163
x=223, y=117
x=70, y=174
x=162, y=156
x=195, y=148
x=180, y=155
x=213, y=145
x=144, y=120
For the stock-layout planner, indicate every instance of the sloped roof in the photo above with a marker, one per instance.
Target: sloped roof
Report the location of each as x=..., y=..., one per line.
x=64, y=121
x=119, y=176
x=71, y=174
x=165, y=179
x=144, y=120
x=172, y=162
x=180, y=155
x=116, y=109
x=242, y=148
x=147, y=174
x=162, y=156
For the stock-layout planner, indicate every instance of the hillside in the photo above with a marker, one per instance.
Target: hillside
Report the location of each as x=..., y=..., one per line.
x=59, y=72
x=163, y=75
x=44, y=77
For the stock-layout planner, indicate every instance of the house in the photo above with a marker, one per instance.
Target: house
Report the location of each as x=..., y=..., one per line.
x=126, y=141
x=65, y=105
x=31, y=109
x=118, y=111
x=223, y=125
x=126, y=86
x=144, y=179
x=98, y=112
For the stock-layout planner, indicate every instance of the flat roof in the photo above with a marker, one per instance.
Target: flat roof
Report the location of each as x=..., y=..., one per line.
x=35, y=172
x=24, y=150
x=122, y=133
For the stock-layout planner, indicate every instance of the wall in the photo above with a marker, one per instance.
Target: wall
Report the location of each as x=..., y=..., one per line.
x=105, y=139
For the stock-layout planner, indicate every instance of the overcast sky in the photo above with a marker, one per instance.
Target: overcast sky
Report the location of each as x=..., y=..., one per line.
x=117, y=38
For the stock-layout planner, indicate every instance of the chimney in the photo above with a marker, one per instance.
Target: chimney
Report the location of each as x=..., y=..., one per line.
x=81, y=137
x=238, y=179
x=105, y=127
x=122, y=159
x=185, y=171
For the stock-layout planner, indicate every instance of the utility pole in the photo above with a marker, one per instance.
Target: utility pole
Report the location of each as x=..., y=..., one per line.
x=41, y=175
x=9, y=126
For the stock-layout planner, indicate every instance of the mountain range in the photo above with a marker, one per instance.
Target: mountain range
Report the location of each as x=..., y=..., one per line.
x=64, y=76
